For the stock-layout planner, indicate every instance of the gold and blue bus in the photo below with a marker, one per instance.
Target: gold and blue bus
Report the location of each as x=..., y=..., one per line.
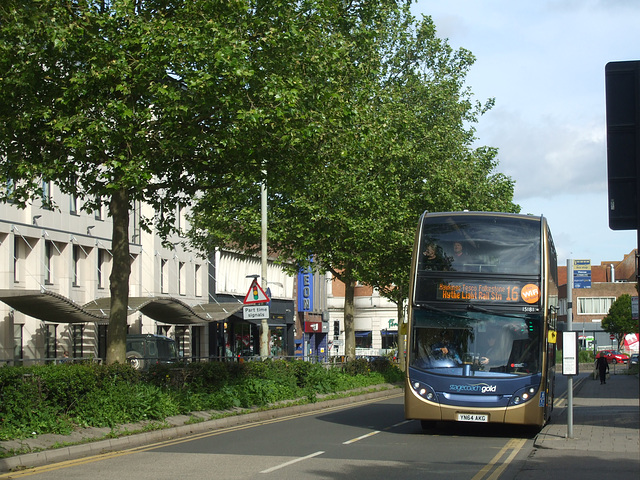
x=482, y=316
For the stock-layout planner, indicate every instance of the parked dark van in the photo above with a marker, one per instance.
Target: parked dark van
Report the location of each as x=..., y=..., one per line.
x=146, y=349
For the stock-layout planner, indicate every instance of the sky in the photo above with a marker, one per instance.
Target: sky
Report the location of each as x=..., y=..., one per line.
x=543, y=61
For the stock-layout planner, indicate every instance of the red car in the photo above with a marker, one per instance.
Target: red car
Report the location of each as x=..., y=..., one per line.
x=613, y=356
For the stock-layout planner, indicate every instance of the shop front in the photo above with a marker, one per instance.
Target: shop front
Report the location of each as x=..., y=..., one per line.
x=240, y=337
x=316, y=341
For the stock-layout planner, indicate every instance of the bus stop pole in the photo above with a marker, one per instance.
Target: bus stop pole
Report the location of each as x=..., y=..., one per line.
x=569, y=328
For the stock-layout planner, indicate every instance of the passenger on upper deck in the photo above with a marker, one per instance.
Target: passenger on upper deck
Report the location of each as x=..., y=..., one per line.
x=460, y=256
x=434, y=258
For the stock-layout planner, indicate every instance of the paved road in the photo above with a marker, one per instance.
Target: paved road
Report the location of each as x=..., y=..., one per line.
x=369, y=440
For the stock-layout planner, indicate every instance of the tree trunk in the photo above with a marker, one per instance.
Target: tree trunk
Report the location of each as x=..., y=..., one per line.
x=119, y=278
x=349, y=320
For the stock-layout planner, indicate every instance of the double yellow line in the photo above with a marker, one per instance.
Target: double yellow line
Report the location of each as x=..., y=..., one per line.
x=495, y=468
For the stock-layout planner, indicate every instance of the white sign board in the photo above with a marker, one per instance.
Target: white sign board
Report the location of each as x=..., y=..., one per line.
x=255, y=313
x=569, y=353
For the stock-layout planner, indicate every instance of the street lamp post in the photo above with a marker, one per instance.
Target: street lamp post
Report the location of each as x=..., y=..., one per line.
x=264, y=323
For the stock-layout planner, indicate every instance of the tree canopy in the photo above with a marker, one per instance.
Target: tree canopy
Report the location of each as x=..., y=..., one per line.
x=355, y=114
x=404, y=147
x=155, y=100
x=618, y=320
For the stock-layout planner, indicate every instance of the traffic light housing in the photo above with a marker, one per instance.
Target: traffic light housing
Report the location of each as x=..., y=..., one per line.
x=622, y=84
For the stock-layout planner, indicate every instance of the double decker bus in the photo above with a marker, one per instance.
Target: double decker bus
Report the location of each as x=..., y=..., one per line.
x=482, y=318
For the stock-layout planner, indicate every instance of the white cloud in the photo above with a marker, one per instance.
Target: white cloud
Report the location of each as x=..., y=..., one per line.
x=547, y=158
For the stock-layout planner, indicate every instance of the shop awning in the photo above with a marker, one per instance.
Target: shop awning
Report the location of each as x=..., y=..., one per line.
x=363, y=333
x=53, y=307
x=48, y=306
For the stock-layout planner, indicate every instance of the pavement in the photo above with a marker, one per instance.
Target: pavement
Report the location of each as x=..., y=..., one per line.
x=604, y=440
x=606, y=417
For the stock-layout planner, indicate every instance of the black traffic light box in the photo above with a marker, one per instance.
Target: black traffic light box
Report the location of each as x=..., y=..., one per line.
x=622, y=81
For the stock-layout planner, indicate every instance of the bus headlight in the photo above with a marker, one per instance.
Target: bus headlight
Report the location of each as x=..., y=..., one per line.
x=523, y=395
x=424, y=391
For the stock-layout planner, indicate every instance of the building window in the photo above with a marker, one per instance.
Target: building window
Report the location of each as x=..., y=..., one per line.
x=47, y=200
x=594, y=305
x=182, y=341
x=102, y=341
x=196, y=342
x=364, y=339
x=198, y=280
x=76, y=265
x=78, y=337
x=48, y=262
x=102, y=262
x=51, y=341
x=73, y=204
x=17, y=260
x=181, y=220
x=18, y=349
x=182, y=279
x=389, y=339
x=277, y=340
x=164, y=276
x=97, y=213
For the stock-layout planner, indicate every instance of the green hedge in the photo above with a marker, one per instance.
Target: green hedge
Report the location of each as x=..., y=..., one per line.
x=57, y=398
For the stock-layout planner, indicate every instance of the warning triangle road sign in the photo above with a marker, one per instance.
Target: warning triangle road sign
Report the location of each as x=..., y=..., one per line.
x=255, y=294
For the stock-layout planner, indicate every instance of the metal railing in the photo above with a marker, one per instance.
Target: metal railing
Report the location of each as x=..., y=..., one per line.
x=46, y=361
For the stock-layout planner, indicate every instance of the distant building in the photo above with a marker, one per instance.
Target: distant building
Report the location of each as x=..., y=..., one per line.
x=590, y=305
x=376, y=320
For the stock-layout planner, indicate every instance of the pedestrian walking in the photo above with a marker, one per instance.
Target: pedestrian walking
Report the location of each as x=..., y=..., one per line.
x=603, y=368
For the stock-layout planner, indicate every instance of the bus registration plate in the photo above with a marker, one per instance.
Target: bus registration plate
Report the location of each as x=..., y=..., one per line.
x=472, y=417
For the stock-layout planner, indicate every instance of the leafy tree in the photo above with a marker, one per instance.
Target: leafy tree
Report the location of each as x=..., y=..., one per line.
x=123, y=101
x=403, y=147
x=619, y=321
x=432, y=115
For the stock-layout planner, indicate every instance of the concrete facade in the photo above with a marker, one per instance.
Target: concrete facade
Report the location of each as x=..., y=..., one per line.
x=68, y=252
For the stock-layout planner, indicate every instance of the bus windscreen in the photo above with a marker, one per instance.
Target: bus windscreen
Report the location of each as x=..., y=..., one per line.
x=476, y=344
x=505, y=245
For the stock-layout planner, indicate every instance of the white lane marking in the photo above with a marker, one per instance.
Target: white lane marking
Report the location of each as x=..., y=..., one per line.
x=291, y=462
x=375, y=432
x=353, y=440
x=398, y=424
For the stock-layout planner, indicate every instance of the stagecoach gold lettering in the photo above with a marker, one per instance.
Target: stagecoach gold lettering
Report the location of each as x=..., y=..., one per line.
x=469, y=291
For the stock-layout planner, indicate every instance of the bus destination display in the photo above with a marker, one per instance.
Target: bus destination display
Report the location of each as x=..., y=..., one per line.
x=501, y=292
